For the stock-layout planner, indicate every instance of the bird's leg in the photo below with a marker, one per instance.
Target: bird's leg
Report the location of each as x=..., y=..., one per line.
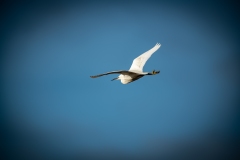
x=114, y=79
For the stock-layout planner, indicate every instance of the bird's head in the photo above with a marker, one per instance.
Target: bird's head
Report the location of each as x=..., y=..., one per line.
x=155, y=72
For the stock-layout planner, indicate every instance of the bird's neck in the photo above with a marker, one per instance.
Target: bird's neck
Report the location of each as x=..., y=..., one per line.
x=149, y=73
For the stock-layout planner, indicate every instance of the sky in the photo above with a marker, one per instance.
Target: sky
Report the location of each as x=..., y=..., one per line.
x=51, y=108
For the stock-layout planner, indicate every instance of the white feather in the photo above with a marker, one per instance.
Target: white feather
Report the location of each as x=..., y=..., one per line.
x=139, y=62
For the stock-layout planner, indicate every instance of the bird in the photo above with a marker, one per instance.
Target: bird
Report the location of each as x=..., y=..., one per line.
x=136, y=70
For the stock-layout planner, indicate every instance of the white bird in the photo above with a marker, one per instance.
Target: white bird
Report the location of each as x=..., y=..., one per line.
x=136, y=70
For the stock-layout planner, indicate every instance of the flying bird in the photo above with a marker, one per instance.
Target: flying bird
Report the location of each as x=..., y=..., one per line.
x=136, y=70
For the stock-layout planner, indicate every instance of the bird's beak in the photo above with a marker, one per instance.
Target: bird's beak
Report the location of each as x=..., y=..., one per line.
x=155, y=72
x=114, y=79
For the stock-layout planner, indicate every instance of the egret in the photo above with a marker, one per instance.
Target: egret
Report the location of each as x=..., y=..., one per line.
x=136, y=70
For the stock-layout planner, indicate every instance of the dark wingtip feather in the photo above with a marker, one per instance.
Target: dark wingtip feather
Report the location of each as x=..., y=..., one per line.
x=94, y=76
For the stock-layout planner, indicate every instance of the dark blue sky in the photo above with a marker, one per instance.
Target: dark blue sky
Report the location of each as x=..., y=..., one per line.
x=51, y=107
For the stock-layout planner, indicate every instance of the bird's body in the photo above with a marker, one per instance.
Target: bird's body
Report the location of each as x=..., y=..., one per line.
x=135, y=72
x=130, y=77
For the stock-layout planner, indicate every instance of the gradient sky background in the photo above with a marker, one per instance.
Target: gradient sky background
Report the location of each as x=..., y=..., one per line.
x=52, y=108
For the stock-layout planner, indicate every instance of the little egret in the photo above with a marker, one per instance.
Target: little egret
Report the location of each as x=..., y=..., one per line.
x=135, y=72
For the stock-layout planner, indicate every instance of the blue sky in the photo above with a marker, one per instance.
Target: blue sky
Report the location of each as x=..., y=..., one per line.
x=52, y=106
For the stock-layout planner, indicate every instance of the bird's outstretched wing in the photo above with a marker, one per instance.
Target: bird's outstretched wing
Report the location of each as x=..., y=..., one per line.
x=113, y=72
x=140, y=61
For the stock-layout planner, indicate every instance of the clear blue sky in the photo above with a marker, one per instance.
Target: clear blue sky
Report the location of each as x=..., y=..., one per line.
x=52, y=106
